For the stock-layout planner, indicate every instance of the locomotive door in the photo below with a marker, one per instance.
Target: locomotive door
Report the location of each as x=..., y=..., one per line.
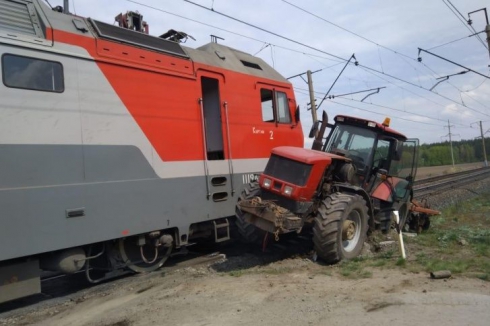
x=216, y=140
x=212, y=118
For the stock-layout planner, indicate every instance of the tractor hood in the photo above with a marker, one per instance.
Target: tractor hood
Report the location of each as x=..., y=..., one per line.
x=307, y=156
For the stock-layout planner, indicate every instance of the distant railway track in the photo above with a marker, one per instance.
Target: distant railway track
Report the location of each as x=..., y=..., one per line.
x=434, y=185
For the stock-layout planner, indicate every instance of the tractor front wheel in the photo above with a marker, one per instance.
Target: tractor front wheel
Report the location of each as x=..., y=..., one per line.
x=340, y=227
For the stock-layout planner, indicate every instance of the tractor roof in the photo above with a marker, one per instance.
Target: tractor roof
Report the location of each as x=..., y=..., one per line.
x=378, y=127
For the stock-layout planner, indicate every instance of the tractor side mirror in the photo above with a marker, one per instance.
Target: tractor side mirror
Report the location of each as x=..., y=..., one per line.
x=314, y=129
x=316, y=125
x=398, y=151
x=296, y=115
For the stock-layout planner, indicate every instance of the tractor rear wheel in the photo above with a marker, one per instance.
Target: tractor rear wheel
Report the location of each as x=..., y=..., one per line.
x=249, y=233
x=340, y=227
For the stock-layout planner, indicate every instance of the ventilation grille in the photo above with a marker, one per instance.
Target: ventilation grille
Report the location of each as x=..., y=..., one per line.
x=15, y=17
x=127, y=36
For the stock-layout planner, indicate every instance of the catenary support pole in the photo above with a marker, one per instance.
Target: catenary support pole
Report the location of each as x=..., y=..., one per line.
x=483, y=143
x=312, y=99
x=487, y=30
x=450, y=141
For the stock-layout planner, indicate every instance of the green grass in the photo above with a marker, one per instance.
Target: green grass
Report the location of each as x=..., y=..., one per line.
x=436, y=264
x=401, y=262
x=458, y=240
x=237, y=273
x=378, y=263
x=355, y=269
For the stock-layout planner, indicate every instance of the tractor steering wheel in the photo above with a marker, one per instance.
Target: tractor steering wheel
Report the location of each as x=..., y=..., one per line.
x=356, y=157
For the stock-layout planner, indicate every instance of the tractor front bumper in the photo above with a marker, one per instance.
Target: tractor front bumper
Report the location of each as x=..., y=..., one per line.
x=269, y=216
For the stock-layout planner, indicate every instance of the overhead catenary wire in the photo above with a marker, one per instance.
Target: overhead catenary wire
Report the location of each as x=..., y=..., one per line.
x=74, y=7
x=378, y=113
x=262, y=48
x=452, y=62
x=381, y=106
x=322, y=51
x=374, y=112
x=410, y=83
x=232, y=32
x=462, y=19
x=402, y=55
x=263, y=29
x=453, y=41
x=293, y=41
x=346, y=30
x=461, y=91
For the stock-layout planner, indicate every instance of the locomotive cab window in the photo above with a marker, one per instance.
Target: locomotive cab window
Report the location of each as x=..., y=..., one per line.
x=275, y=106
x=33, y=74
x=266, y=97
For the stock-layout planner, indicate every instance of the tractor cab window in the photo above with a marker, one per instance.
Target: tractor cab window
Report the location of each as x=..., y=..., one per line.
x=406, y=166
x=381, y=155
x=275, y=106
x=353, y=142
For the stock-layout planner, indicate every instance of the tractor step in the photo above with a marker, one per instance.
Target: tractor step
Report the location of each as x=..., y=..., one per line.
x=221, y=231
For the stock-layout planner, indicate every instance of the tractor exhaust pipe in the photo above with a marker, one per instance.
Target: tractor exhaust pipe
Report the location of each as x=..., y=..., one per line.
x=318, y=142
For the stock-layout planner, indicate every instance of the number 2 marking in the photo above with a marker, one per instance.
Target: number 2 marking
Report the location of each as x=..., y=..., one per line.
x=272, y=134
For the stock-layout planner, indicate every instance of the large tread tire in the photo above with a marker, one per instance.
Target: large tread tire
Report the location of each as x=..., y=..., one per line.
x=387, y=220
x=327, y=231
x=248, y=233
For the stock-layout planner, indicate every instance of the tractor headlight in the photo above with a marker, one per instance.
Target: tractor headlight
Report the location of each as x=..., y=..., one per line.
x=267, y=183
x=288, y=190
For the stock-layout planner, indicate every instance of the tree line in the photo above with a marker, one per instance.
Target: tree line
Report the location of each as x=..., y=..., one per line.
x=465, y=151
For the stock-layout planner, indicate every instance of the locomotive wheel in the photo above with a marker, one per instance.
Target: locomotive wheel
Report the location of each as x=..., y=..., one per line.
x=340, y=227
x=249, y=233
x=131, y=254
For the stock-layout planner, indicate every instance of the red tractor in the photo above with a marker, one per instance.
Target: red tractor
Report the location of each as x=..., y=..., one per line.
x=350, y=184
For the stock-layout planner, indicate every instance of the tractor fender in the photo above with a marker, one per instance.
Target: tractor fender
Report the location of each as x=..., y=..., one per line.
x=342, y=187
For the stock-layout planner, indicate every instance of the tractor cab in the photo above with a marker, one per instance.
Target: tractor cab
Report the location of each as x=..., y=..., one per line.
x=384, y=162
x=377, y=153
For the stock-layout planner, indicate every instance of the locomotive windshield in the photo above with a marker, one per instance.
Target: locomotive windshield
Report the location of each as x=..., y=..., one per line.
x=353, y=142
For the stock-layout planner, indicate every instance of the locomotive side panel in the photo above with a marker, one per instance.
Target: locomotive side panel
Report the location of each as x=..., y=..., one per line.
x=102, y=140
x=83, y=149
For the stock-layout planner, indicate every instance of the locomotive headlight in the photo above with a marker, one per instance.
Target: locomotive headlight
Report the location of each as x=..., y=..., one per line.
x=288, y=190
x=371, y=124
x=267, y=183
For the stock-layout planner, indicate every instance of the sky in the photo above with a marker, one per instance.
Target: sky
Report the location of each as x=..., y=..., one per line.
x=389, y=34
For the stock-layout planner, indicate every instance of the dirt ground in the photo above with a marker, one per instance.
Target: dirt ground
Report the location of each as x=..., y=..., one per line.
x=291, y=291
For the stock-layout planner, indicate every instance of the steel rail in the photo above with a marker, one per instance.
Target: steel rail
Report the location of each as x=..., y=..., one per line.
x=449, y=182
x=448, y=176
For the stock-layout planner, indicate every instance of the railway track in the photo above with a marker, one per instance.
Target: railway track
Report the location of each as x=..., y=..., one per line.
x=435, y=185
x=223, y=258
x=59, y=288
